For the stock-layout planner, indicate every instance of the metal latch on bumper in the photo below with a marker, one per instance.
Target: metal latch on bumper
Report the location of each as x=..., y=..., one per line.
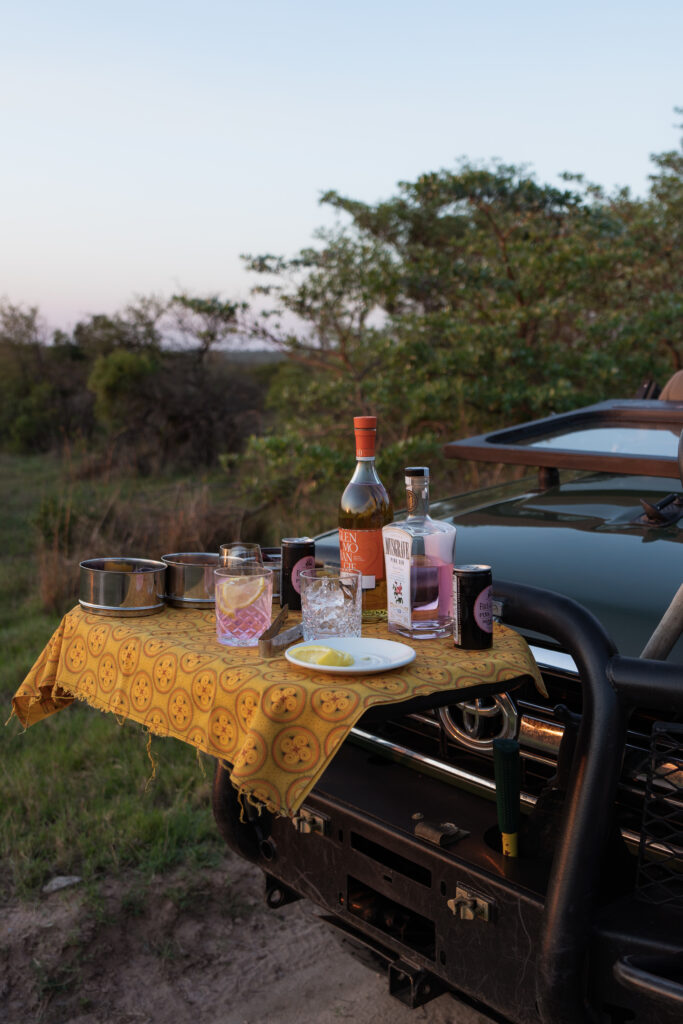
x=468, y=905
x=308, y=822
x=443, y=833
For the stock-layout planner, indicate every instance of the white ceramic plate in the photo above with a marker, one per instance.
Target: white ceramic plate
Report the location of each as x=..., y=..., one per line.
x=369, y=655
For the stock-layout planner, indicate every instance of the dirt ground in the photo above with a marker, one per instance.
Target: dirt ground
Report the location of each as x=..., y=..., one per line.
x=200, y=950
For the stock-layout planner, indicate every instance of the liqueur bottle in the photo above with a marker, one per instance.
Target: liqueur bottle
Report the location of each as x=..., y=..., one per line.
x=365, y=507
x=418, y=553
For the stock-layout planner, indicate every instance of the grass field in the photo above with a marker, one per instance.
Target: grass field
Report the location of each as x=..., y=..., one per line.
x=77, y=794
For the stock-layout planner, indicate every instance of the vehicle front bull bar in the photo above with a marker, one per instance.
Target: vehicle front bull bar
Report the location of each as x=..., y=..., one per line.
x=611, y=684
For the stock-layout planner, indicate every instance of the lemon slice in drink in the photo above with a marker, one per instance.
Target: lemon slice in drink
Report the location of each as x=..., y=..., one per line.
x=239, y=593
x=318, y=654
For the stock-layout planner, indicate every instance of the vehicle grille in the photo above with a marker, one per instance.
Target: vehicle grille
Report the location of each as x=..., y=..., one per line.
x=660, y=877
x=455, y=744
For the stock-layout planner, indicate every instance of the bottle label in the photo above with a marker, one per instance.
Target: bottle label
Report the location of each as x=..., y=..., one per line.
x=397, y=551
x=362, y=549
x=483, y=611
x=307, y=562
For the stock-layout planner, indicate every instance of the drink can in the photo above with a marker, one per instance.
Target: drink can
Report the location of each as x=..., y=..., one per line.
x=297, y=553
x=472, y=610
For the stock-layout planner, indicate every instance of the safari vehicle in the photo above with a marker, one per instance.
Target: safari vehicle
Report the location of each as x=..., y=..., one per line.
x=398, y=844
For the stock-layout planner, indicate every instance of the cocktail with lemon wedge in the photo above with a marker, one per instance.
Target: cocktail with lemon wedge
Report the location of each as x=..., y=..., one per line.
x=244, y=598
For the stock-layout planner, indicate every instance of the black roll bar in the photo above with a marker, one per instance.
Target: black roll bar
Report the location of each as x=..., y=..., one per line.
x=611, y=686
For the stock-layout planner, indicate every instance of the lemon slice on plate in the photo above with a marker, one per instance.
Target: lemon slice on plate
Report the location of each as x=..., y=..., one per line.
x=239, y=593
x=318, y=654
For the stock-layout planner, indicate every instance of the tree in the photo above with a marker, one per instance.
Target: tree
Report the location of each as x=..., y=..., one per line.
x=131, y=384
x=28, y=390
x=137, y=328
x=471, y=299
x=201, y=324
x=654, y=277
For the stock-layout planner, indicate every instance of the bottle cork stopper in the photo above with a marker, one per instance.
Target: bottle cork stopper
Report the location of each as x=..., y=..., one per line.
x=365, y=428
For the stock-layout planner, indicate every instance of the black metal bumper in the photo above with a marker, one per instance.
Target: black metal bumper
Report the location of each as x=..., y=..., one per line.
x=557, y=941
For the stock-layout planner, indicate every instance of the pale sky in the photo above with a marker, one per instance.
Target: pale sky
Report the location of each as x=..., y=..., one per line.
x=145, y=145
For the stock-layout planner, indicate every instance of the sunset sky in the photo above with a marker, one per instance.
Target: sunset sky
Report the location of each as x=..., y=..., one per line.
x=146, y=145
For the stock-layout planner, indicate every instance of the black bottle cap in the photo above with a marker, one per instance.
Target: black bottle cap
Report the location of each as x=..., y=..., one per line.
x=417, y=471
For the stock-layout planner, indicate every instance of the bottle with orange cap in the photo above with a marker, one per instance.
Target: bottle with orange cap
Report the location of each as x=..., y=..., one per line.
x=365, y=507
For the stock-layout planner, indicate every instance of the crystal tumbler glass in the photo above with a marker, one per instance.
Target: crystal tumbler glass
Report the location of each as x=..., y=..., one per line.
x=244, y=599
x=331, y=602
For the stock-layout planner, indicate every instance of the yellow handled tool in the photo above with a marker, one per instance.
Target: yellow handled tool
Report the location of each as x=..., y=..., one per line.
x=506, y=766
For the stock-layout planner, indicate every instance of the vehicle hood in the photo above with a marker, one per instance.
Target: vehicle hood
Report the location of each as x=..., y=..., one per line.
x=584, y=538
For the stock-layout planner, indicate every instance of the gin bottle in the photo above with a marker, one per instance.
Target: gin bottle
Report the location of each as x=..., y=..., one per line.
x=365, y=507
x=418, y=555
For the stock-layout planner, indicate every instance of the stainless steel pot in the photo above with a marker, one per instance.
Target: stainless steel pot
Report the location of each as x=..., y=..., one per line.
x=122, y=586
x=189, y=578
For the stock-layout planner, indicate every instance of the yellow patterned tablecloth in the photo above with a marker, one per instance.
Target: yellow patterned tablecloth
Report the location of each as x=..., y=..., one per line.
x=276, y=726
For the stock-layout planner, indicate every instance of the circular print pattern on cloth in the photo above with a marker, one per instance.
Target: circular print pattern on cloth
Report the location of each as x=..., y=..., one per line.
x=157, y=721
x=192, y=660
x=231, y=679
x=252, y=755
x=87, y=684
x=223, y=730
x=334, y=703
x=386, y=684
x=297, y=791
x=153, y=646
x=167, y=625
x=284, y=675
x=180, y=709
x=106, y=673
x=196, y=736
x=97, y=638
x=204, y=689
x=334, y=738
x=129, y=653
x=429, y=671
x=296, y=749
x=247, y=703
x=264, y=792
x=76, y=654
x=284, y=703
x=141, y=691
x=120, y=702
x=164, y=671
x=120, y=632
x=71, y=624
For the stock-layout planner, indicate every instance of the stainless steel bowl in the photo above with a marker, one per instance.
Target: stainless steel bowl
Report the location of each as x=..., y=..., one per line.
x=122, y=586
x=189, y=578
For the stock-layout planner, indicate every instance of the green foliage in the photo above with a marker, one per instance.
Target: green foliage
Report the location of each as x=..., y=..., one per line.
x=470, y=299
x=79, y=798
x=26, y=396
x=202, y=323
x=55, y=522
x=31, y=428
x=119, y=381
x=150, y=386
x=77, y=794
x=136, y=328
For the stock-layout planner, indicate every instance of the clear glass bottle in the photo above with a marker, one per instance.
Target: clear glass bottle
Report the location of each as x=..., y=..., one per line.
x=419, y=553
x=365, y=507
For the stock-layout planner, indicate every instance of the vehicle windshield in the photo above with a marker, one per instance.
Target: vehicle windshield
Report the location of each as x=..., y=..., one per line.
x=627, y=436
x=655, y=440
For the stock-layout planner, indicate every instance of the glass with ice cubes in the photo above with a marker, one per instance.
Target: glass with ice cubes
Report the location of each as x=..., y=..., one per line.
x=331, y=602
